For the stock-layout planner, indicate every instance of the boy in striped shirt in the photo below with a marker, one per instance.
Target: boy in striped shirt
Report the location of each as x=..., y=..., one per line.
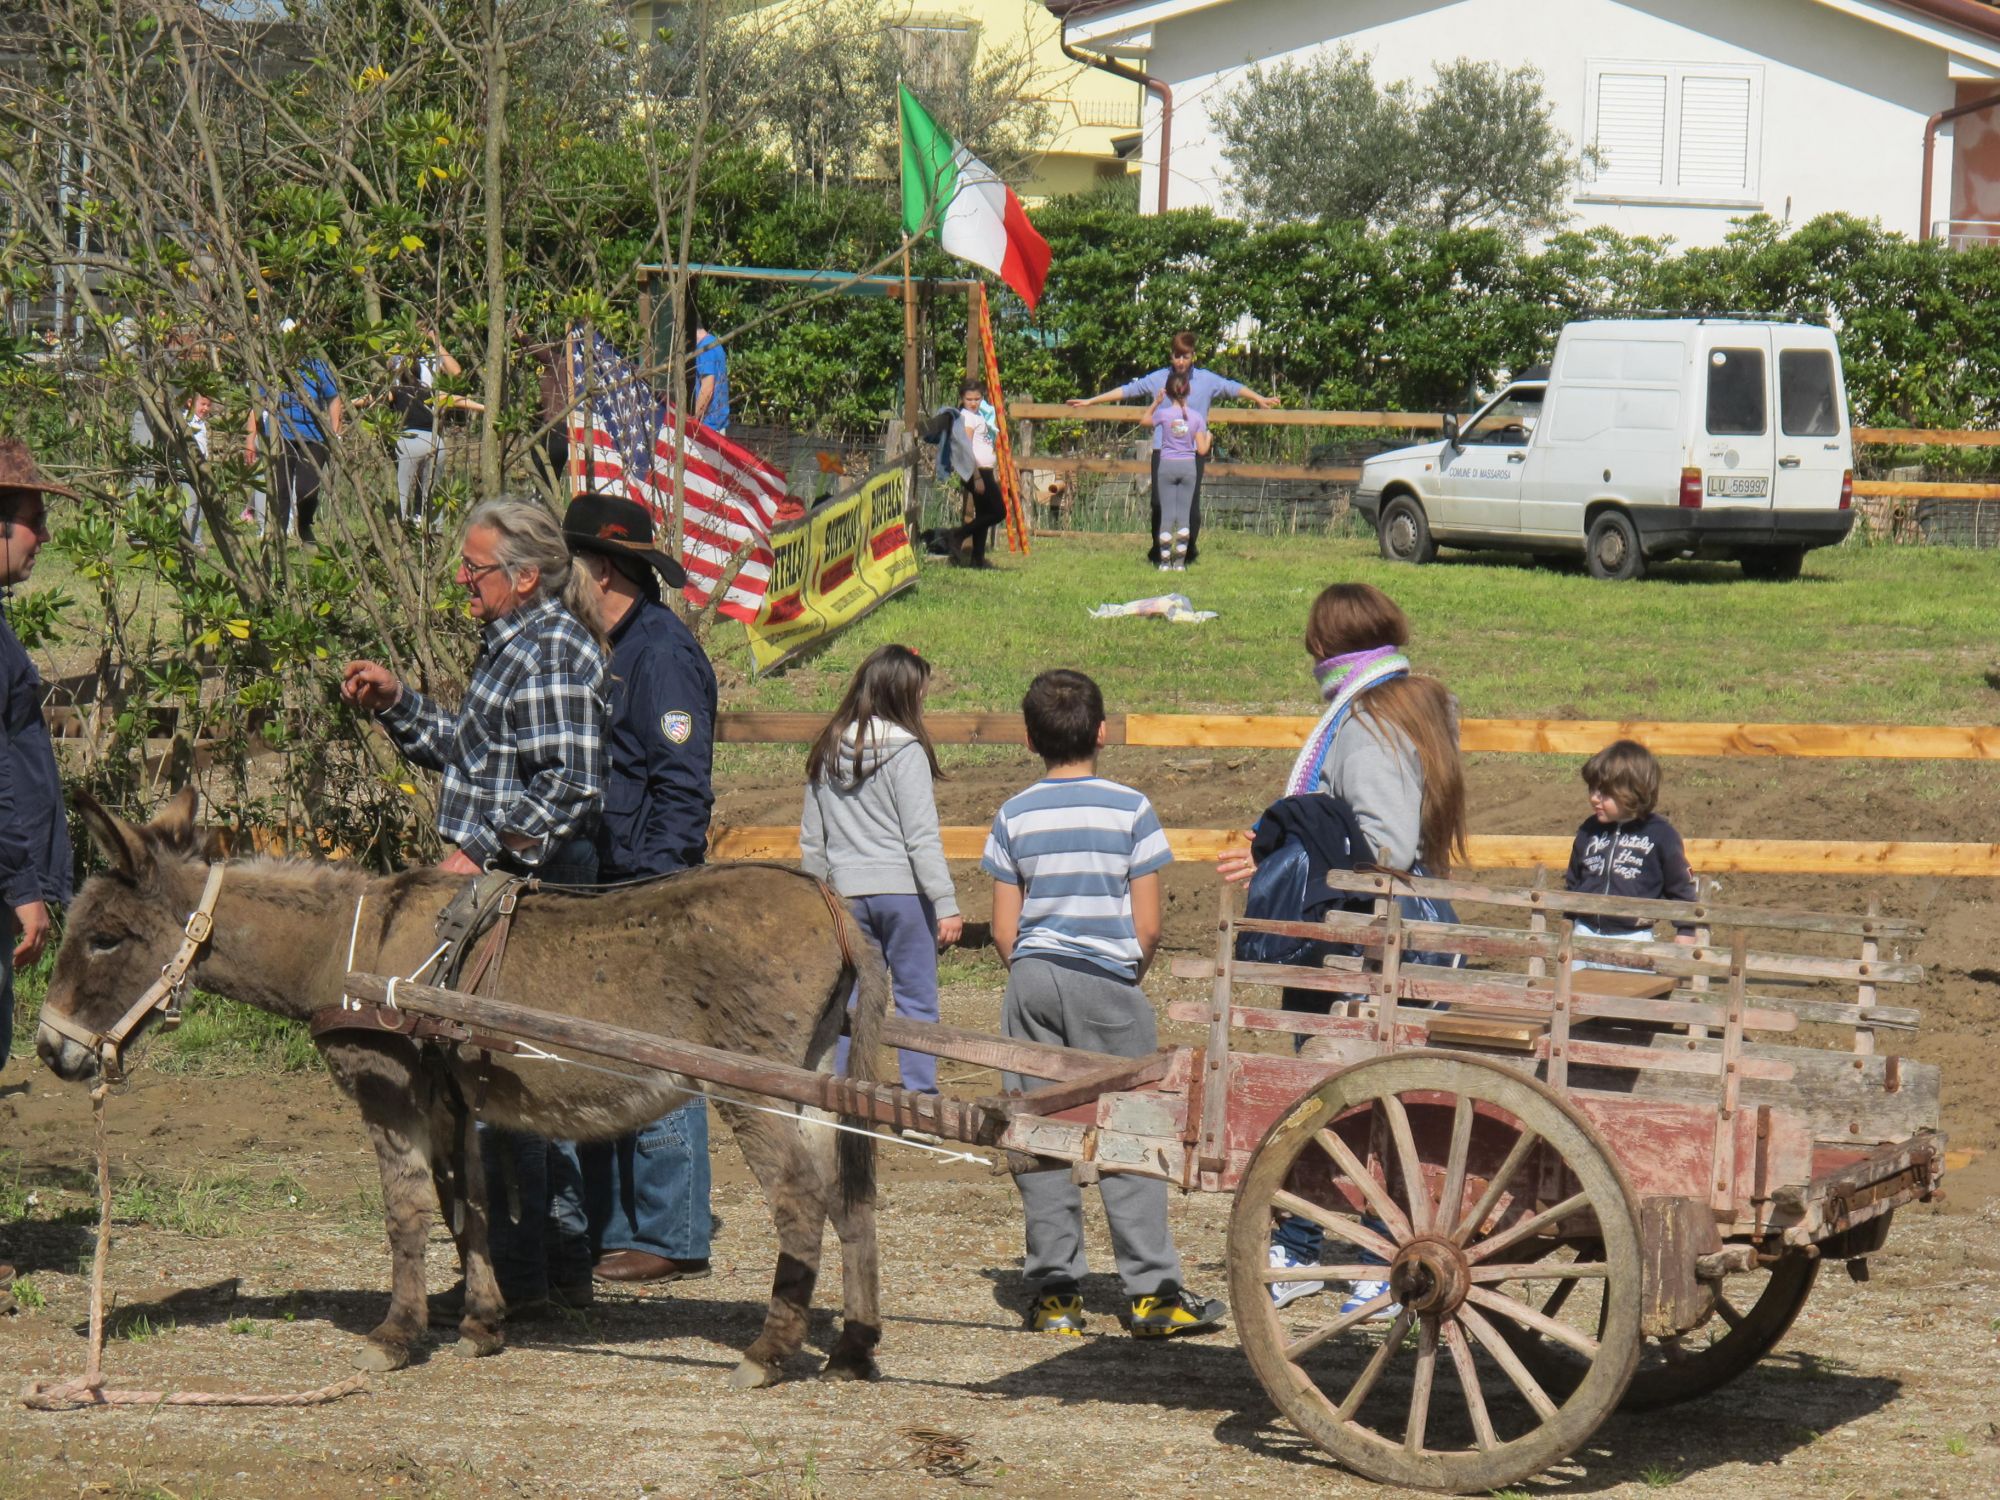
x=1075, y=861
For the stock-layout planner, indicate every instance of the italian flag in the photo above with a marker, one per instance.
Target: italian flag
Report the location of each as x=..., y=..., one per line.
x=973, y=213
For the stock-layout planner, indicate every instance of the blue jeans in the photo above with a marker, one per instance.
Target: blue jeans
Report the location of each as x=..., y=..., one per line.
x=6, y=997
x=649, y=1191
x=549, y=1245
x=903, y=929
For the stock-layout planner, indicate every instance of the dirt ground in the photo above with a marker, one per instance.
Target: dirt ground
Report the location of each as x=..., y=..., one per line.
x=1883, y=1389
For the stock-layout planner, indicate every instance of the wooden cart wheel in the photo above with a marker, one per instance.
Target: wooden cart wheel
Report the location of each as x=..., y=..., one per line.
x=1753, y=1312
x=1463, y=1176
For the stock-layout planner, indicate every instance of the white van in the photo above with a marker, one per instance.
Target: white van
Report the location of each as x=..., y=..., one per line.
x=1646, y=439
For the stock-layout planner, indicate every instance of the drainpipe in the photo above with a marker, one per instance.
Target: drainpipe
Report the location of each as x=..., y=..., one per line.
x=1118, y=69
x=1930, y=149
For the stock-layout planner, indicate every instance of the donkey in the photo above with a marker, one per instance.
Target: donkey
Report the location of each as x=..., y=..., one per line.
x=751, y=959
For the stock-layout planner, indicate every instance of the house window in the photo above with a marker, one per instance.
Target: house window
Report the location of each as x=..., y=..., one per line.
x=936, y=57
x=1674, y=133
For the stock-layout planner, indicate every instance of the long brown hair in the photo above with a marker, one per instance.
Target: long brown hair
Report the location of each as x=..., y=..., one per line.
x=1350, y=617
x=888, y=685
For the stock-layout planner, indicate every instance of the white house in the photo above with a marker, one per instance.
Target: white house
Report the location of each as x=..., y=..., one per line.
x=1703, y=110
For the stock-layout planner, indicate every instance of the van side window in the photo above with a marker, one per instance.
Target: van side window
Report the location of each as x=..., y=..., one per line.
x=1807, y=403
x=1736, y=392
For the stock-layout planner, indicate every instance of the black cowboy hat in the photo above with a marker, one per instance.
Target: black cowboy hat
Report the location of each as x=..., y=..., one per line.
x=620, y=529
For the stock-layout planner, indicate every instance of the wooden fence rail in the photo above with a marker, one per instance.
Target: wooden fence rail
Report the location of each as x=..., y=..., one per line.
x=1507, y=736
x=1505, y=852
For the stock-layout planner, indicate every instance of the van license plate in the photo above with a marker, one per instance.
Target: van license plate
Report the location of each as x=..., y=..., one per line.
x=1739, y=486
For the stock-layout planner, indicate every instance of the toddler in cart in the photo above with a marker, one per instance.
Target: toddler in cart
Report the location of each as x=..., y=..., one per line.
x=1075, y=861
x=1624, y=848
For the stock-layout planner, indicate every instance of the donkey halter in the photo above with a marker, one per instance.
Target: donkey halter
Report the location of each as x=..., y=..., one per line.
x=163, y=995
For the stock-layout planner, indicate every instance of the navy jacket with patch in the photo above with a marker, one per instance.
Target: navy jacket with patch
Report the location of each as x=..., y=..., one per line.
x=35, y=860
x=661, y=742
x=1642, y=858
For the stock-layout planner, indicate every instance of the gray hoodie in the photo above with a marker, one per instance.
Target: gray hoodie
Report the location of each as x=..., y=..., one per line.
x=877, y=836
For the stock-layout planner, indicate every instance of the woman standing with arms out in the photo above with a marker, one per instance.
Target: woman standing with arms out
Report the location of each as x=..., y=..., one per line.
x=1386, y=746
x=870, y=830
x=1203, y=387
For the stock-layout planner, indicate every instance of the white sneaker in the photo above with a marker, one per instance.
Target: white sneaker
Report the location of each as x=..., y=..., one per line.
x=1166, y=567
x=1361, y=1293
x=1284, y=1292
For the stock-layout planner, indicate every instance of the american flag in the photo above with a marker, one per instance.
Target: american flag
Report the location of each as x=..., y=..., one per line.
x=624, y=438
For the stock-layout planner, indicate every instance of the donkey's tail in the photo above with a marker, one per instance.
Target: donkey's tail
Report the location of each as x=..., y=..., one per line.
x=855, y=1159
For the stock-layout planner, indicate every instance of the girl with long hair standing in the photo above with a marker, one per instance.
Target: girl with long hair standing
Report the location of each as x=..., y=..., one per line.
x=870, y=830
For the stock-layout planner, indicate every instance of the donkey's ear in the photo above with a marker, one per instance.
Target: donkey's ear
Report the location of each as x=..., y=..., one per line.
x=173, y=824
x=121, y=843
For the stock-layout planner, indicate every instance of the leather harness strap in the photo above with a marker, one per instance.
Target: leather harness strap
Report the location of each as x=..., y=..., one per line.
x=840, y=923
x=163, y=995
x=385, y=1021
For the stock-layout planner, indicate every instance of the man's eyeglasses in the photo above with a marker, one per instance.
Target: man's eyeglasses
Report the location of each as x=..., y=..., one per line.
x=469, y=572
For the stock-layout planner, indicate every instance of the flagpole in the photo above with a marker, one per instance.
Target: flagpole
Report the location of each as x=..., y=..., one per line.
x=910, y=408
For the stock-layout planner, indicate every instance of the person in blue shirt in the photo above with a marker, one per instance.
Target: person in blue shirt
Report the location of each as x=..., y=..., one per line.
x=646, y=1194
x=1203, y=387
x=299, y=464
x=35, y=862
x=711, y=380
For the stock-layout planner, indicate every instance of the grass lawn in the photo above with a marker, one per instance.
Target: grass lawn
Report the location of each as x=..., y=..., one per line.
x=1870, y=634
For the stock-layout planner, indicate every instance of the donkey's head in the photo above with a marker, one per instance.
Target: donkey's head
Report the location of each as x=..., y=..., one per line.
x=120, y=932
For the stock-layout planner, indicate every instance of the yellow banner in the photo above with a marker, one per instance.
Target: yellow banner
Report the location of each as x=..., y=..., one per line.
x=832, y=568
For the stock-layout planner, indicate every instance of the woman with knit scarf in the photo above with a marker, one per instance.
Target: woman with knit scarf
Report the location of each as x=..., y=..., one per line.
x=1387, y=746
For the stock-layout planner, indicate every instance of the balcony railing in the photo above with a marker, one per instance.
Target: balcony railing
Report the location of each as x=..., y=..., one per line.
x=1963, y=233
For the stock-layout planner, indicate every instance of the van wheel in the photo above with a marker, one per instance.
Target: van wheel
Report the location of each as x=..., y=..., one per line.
x=1773, y=564
x=1404, y=532
x=1612, y=549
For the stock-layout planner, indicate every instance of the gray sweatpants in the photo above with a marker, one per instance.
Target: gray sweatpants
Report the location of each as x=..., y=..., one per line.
x=1178, y=479
x=1066, y=1007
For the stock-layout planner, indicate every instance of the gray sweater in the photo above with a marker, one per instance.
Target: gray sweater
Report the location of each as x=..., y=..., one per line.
x=877, y=836
x=1375, y=768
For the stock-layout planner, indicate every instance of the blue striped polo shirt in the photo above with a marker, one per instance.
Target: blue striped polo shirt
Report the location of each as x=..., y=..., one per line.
x=1075, y=846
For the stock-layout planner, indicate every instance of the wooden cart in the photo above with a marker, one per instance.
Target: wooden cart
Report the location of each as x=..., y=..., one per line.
x=1586, y=1188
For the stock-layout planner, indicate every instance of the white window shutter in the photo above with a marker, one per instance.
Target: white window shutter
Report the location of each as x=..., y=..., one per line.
x=1632, y=128
x=1715, y=133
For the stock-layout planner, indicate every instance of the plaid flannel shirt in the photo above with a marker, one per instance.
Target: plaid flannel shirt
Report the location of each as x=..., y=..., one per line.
x=524, y=753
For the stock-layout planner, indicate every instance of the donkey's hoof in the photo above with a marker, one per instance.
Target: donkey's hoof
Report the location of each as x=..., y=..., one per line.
x=379, y=1359
x=469, y=1347
x=750, y=1375
x=851, y=1367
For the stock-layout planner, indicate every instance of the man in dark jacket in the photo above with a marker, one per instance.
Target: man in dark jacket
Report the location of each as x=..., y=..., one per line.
x=35, y=863
x=647, y=1194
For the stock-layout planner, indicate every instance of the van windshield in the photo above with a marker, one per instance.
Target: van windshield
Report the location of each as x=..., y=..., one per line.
x=1509, y=421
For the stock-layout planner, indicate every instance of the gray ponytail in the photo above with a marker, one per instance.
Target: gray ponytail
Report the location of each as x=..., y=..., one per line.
x=528, y=537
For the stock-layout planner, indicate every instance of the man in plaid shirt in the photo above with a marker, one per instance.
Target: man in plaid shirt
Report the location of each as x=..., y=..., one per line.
x=523, y=763
x=523, y=757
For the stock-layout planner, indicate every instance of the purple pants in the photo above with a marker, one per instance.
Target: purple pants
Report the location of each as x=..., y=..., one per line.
x=904, y=931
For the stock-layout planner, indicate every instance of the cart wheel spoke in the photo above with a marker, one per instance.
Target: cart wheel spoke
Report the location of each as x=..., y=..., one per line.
x=1504, y=1356
x=1529, y=1226
x=1365, y=1382
x=1299, y=1350
x=1543, y=1324
x=1565, y=1274
x=1420, y=1387
x=1350, y=1230
x=1488, y=1200
x=1376, y=1196
x=1415, y=1193
x=1355, y=1271
x=1468, y=1381
x=1451, y=1197
x=1726, y=1310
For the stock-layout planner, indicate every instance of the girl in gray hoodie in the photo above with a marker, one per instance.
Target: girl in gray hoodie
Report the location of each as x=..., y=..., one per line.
x=870, y=830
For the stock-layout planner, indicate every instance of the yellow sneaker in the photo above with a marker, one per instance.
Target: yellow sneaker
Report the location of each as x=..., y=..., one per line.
x=1172, y=1311
x=1058, y=1311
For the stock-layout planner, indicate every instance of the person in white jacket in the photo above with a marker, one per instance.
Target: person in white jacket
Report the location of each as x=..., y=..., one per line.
x=870, y=830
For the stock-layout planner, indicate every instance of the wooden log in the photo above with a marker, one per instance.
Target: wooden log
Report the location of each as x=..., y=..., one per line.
x=1009, y=1054
x=1927, y=437
x=1242, y=416
x=1052, y=463
x=1917, y=489
x=1511, y=852
x=881, y=1103
x=1084, y=1088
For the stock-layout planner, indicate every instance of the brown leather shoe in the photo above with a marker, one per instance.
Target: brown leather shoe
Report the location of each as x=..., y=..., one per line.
x=643, y=1265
